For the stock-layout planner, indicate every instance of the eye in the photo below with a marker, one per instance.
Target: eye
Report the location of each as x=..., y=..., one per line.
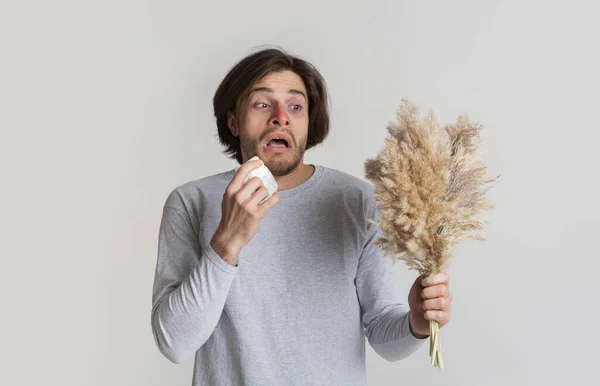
x=261, y=105
x=297, y=107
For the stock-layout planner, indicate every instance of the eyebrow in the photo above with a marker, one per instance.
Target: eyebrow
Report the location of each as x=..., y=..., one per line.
x=270, y=91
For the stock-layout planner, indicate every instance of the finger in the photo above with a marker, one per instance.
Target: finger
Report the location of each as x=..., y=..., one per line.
x=440, y=278
x=268, y=204
x=240, y=176
x=435, y=292
x=433, y=315
x=248, y=190
x=437, y=304
x=439, y=316
x=258, y=196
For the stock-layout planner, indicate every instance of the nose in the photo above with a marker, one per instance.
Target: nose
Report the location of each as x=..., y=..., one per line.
x=280, y=117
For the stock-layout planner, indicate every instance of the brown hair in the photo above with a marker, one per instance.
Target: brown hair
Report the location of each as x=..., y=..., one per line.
x=252, y=69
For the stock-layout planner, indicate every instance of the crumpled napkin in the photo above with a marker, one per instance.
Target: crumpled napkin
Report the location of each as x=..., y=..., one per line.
x=265, y=175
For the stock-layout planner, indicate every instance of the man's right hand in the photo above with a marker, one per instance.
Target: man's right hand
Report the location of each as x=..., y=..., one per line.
x=241, y=213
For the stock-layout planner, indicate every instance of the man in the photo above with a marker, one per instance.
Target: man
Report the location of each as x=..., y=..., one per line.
x=280, y=292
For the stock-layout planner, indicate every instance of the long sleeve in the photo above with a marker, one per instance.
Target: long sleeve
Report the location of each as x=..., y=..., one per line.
x=385, y=309
x=190, y=287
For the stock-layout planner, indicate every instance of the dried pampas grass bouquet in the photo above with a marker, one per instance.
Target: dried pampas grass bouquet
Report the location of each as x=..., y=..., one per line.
x=430, y=186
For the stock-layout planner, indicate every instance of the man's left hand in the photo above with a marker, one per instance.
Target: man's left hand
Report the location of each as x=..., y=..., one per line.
x=429, y=300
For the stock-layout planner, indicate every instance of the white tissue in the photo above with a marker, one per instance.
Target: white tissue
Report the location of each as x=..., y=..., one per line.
x=265, y=175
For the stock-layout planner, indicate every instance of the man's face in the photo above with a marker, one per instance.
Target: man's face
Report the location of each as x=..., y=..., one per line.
x=273, y=122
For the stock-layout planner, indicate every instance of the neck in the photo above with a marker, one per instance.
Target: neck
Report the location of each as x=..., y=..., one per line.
x=297, y=177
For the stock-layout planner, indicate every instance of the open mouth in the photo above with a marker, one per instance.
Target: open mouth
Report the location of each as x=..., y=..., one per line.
x=278, y=143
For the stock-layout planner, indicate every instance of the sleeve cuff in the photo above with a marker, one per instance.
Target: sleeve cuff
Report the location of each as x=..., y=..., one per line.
x=214, y=258
x=407, y=331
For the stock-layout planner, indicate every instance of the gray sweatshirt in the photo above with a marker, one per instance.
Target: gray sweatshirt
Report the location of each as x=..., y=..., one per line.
x=307, y=290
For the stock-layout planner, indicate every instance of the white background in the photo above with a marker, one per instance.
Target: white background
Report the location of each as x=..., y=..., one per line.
x=105, y=107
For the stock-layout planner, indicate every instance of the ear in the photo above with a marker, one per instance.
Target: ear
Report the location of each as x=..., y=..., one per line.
x=232, y=123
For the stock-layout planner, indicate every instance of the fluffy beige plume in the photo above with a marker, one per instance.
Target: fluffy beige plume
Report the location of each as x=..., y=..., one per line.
x=430, y=186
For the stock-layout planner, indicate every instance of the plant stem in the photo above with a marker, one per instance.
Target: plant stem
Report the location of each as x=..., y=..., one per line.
x=435, y=346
